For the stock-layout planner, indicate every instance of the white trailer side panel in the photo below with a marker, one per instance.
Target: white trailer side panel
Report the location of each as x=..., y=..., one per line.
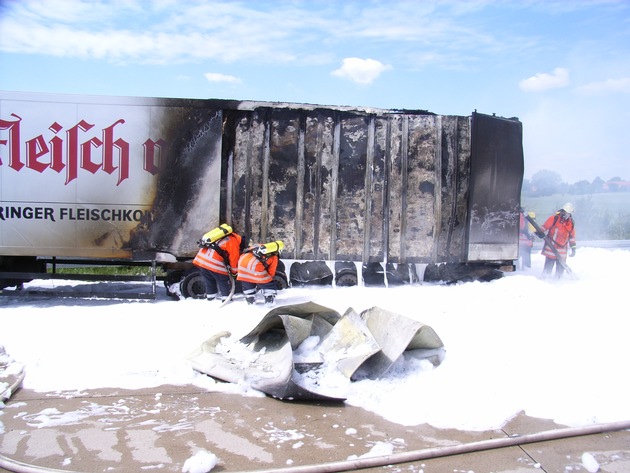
x=95, y=177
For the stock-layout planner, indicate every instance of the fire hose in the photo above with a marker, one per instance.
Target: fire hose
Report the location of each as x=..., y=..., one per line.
x=397, y=458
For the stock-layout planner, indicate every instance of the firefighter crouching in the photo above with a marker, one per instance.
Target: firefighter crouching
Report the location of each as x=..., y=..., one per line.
x=217, y=260
x=256, y=270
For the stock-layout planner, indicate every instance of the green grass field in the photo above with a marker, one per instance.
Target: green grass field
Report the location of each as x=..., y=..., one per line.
x=603, y=216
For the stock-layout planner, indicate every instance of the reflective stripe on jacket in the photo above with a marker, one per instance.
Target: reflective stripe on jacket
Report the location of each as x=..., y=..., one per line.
x=212, y=260
x=251, y=269
x=561, y=233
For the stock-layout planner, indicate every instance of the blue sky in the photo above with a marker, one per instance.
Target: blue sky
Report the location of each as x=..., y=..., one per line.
x=562, y=67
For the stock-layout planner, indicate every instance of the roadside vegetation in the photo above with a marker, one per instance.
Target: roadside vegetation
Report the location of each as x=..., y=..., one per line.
x=107, y=270
x=602, y=208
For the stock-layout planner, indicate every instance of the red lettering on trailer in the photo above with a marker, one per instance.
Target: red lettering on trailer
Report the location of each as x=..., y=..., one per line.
x=154, y=155
x=71, y=153
x=13, y=142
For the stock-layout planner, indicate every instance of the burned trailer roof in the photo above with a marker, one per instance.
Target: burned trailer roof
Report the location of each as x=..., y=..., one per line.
x=358, y=184
x=255, y=105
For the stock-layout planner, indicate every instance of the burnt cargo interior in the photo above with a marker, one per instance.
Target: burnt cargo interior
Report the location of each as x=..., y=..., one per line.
x=395, y=187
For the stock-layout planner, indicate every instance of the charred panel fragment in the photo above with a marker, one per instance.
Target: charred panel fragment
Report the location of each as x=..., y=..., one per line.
x=419, y=212
x=378, y=149
x=318, y=194
x=396, y=185
x=459, y=235
x=455, y=147
x=328, y=165
x=283, y=175
x=311, y=178
x=240, y=197
x=353, y=183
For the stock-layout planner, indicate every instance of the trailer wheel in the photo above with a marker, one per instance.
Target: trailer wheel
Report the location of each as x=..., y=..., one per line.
x=193, y=286
x=172, y=278
x=281, y=281
x=346, y=280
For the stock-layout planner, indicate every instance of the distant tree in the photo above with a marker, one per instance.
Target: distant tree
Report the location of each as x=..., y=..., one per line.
x=581, y=187
x=597, y=185
x=546, y=182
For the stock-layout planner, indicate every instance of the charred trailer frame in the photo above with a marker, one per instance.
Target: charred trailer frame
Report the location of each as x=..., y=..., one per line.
x=138, y=180
x=390, y=190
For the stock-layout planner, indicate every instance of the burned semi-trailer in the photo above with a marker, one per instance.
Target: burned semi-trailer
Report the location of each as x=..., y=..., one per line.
x=357, y=195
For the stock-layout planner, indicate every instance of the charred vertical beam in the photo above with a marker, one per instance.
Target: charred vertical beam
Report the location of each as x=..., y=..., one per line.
x=309, y=235
x=395, y=184
x=380, y=240
x=448, y=186
x=246, y=228
x=438, y=179
x=334, y=185
x=404, y=168
x=227, y=167
x=266, y=210
x=300, y=193
x=370, y=207
x=459, y=242
x=317, y=196
x=327, y=181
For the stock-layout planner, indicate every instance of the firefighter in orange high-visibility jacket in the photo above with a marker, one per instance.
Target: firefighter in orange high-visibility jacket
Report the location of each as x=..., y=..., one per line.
x=560, y=228
x=256, y=270
x=217, y=260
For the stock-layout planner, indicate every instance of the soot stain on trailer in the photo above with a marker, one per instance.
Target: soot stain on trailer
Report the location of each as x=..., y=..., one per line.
x=189, y=133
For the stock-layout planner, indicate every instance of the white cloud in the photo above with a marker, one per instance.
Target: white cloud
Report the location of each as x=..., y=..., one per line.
x=218, y=77
x=608, y=86
x=361, y=71
x=543, y=81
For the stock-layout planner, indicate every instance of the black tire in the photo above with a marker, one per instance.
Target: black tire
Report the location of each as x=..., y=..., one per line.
x=172, y=277
x=346, y=280
x=281, y=281
x=193, y=286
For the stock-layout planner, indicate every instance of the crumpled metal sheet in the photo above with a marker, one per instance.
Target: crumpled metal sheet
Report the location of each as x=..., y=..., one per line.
x=270, y=358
